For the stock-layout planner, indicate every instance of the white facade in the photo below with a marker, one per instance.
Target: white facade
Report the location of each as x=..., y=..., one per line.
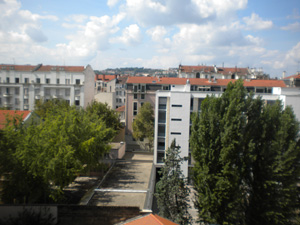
x=21, y=86
x=172, y=117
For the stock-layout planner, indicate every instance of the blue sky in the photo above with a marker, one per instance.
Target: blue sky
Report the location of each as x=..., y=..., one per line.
x=152, y=33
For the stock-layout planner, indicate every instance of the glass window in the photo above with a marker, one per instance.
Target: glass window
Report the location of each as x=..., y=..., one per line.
x=57, y=81
x=7, y=79
x=135, y=96
x=26, y=80
x=162, y=116
x=161, y=144
x=17, y=91
x=77, y=102
x=77, y=81
x=135, y=108
x=160, y=157
x=17, y=80
x=47, y=81
x=142, y=96
x=162, y=103
x=38, y=80
x=161, y=130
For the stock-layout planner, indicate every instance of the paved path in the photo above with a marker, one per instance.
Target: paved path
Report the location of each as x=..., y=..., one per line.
x=127, y=183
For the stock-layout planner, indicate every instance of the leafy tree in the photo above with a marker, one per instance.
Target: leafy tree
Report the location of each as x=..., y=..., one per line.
x=246, y=156
x=143, y=124
x=172, y=191
x=102, y=111
x=42, y=108
x=43, y=159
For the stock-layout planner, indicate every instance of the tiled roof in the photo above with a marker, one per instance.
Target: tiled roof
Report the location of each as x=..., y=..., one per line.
x=297, y=76
x=11, y=114
x=40, y=67
x=204, y=82
x=190, y=69
x=121, y=109
x=151, y=220
x=229, y=71
x=105, y=77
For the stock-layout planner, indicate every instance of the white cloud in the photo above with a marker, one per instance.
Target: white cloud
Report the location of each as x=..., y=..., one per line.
x=112, y=3
x=170, y=12
x=131, y=36
x=256, y=23
x=77, y=18
x=292, y=27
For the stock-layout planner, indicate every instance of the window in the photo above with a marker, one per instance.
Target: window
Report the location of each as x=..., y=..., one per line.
x=67, y=92
x=25, y=101
x=161, y=130
x=47, y=81
x=26, y=80
x=57, y=81
x=77, y=92
x=77, y=102
x=16, y=101
x=7, y=91
x=162, y=103
x=135, y=88
x=37, y=91
x=17, y=91
x=47, y=91
x=175, y=133
x=142, y=96
x=176, y=119
x=142, y=103
x=7, y=79
x=135, y=96
x=162, y=116
x=143, y=88
x=160, y=157
x=175, y=105
x=135, y=108
x=17, y=80
x=67, y=81
x=192, y=104
x=38, y=80
x=161, y=144
x=77, y=81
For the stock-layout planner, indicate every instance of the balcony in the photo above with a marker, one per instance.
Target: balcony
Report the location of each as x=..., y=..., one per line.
x=7, y=95
x=37, y=97
x=7, y=104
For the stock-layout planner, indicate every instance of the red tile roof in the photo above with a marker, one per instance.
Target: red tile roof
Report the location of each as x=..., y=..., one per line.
x=151, y=220
x=105, y=77
x=121, y=109
x=229, y=71
x=204, y=82
x=10, y=114
x=190, y=69
x=43, y=68
x=297, y=76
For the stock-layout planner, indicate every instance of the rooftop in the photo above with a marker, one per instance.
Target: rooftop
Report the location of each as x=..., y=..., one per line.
x=150, y=219
x=40, y=68
x=10, y=114
x=204, y=82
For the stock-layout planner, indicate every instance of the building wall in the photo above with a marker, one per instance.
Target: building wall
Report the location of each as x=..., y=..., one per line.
x=106, y=97
x=178, y=109
x=25, y=87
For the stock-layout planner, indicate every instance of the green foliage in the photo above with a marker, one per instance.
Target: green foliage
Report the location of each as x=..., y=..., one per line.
x=102, y=111
x=246, y=158
x=51, y=106
x=172, y=191
x=143, y=124
x=42, y=159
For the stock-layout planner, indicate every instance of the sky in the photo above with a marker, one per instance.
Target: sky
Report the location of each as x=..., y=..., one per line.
x=158, y=34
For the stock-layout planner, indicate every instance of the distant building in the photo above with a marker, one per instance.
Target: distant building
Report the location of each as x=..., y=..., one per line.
x=214, y=72
x=292, y=81
x=22, y=85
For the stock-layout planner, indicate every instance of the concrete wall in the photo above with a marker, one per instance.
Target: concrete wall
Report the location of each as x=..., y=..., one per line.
x=106, y=97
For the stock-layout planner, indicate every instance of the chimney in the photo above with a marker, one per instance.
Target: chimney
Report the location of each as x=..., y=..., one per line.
x=283, y=74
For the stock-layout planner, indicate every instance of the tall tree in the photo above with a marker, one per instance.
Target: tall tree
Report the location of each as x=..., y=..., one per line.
x=143, y=124
x=246, y=156
x=172, y=191
x=102, y=111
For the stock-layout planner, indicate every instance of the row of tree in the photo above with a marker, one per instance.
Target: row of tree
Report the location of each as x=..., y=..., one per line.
x=38, y=161
x=246, y=163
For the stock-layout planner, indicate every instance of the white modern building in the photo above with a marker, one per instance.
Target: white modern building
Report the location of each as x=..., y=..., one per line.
x=173, y=109
x=22, y=85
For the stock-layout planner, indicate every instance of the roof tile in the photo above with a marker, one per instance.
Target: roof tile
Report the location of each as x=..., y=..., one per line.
x=10, y=114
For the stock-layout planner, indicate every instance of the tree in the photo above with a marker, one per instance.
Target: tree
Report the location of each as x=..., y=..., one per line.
x=43, y=159
x=101, y=111
x=42, y=108
x=246, y=156
x=172, y=191
x=143, y=124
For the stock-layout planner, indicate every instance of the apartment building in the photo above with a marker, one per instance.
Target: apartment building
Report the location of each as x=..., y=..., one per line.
x=214, y=72
x=173, y=109
x=22, y=85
